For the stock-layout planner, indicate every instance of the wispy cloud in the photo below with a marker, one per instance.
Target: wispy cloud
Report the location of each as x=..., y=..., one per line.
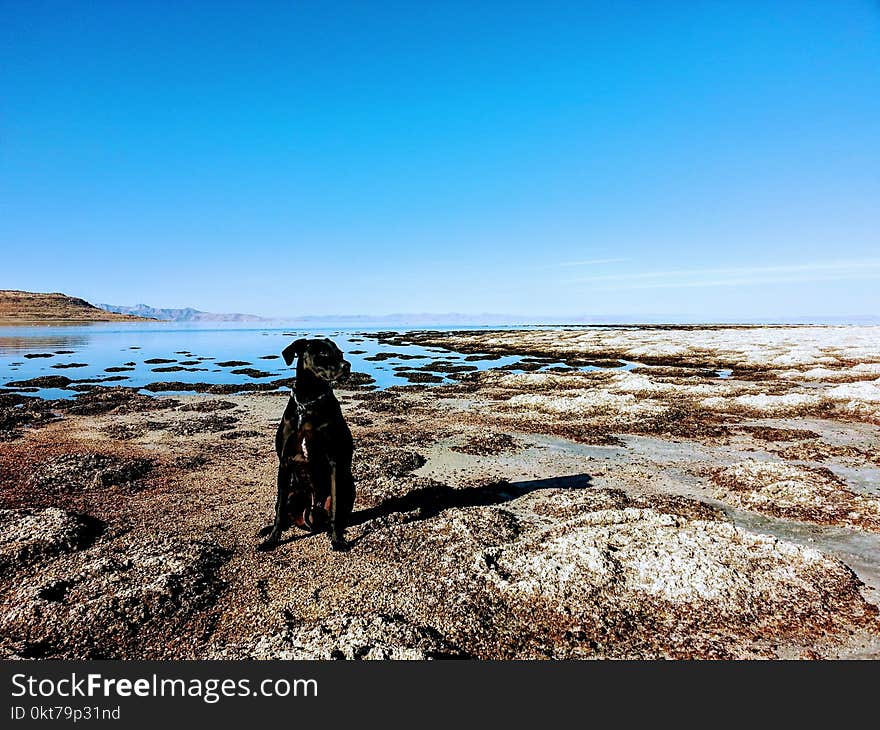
x=841, y=270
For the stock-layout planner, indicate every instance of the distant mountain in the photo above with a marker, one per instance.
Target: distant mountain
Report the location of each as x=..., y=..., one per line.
x=24, y=306
x=187, y=314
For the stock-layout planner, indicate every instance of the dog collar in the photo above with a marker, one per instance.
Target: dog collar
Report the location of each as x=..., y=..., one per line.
x=303, y=405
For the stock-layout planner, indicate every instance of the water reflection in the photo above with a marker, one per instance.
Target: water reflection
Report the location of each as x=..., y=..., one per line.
x=17, y=345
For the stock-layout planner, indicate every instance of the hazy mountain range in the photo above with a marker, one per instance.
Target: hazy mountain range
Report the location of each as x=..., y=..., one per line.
x=187, y=314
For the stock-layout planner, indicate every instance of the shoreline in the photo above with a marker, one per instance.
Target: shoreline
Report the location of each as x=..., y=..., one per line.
x=657, y=512
x=122, y=319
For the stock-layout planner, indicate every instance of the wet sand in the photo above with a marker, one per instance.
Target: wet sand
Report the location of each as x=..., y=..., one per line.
x=659, y=511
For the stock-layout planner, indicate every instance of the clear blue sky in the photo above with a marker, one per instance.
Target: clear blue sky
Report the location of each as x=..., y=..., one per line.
x=717, y=159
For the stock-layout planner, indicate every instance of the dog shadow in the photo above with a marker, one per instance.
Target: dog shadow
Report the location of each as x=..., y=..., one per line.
x=427, y=502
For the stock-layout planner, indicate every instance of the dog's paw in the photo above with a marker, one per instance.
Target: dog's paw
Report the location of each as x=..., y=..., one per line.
x=339, y=546
x=270, y=544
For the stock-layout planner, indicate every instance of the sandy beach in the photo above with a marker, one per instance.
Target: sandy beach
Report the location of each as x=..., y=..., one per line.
x=718, y=499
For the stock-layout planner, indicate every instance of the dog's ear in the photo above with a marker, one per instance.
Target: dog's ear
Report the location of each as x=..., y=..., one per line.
x=294, y=349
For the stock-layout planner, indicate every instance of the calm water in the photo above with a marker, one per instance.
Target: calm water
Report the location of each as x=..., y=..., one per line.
x=203, y=347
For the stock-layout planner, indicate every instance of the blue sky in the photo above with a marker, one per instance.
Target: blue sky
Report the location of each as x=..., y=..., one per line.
x=708, y=160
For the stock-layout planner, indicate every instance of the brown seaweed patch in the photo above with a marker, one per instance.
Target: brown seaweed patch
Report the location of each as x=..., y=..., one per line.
x=357, y=380
x=822, y=451
x=685, y=421
x=766, y=433
x=113, y=400
x=490, y=443
x=30, y=536
x=85, y=471
x=208, y=424
x=111, y=600
x=208, y=406
x=234, y=435
x=806, y=494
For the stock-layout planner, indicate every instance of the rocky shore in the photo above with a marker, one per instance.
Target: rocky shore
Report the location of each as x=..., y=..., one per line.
x=720, y=498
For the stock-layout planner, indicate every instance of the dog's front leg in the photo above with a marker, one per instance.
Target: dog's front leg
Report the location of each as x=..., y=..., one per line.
x=338, y=516
x=277, y=527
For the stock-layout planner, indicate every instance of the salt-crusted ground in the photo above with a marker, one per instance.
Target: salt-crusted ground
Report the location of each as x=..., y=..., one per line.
x=661, y=511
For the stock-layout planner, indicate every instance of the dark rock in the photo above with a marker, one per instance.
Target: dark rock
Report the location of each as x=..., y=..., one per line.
x=476, y=358
x=18, y=411
x=218, y=388
x=417, y=376
x=522, y=365
x=252, y=373
x=43, y=381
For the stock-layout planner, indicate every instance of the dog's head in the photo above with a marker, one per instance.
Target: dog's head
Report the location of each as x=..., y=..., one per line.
x=321, y=357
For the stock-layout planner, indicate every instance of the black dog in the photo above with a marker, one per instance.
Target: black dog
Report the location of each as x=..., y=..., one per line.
x=314, y=447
